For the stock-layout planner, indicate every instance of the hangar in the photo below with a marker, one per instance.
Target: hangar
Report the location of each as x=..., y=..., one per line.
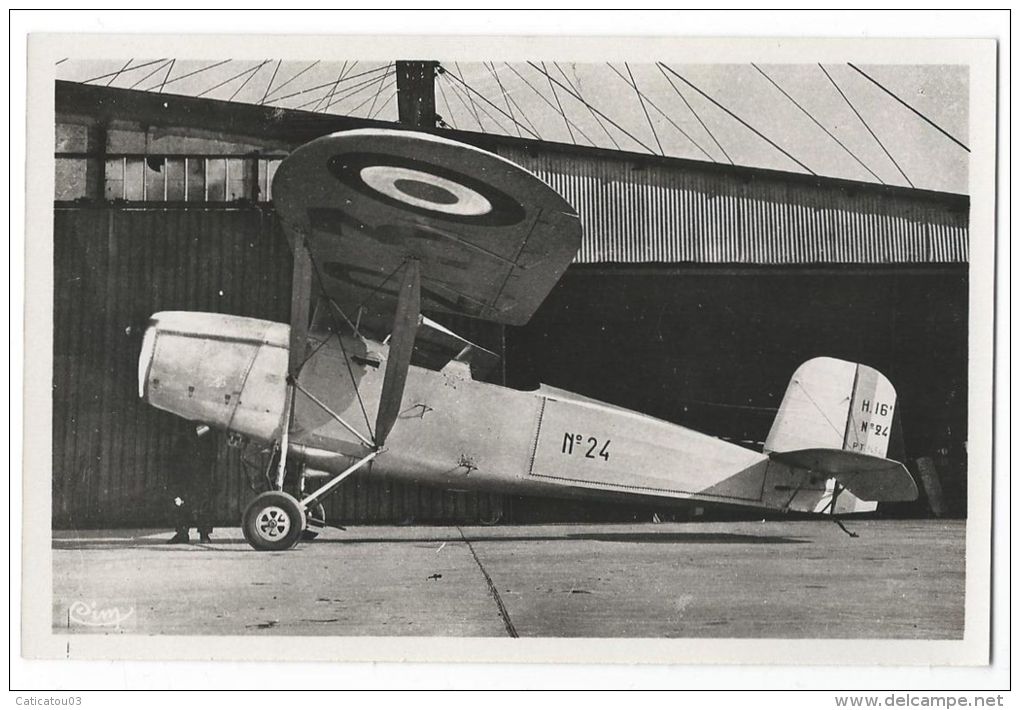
x=698, y=290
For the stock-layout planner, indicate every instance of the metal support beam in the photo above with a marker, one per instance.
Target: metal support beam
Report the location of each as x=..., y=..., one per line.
x=300, y=300
x=416, y=93
x=251, y=169
x=288, y=411
x=401, y=343
x=95, y=164
x=334, y=482
x=300, y=305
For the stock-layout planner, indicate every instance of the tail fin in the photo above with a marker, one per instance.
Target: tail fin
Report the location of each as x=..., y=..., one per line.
x=835, y=419
x=835, y=404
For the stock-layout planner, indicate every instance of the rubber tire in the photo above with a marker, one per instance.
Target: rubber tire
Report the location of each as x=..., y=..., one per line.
x=291, y=508
x=310, y=532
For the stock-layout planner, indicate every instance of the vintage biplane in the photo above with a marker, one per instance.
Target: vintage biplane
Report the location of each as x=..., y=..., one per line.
x=386, y=226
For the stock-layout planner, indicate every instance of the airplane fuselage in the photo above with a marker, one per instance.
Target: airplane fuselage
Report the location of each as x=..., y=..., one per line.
x=452, y=431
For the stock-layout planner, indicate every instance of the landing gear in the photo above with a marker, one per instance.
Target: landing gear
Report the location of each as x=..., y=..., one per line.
x=274, y=521
x=316, y=516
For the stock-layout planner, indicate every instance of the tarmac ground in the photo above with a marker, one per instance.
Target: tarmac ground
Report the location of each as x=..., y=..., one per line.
x=780, y=579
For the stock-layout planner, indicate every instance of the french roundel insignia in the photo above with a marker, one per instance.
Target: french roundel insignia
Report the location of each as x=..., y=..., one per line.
x=419, y=186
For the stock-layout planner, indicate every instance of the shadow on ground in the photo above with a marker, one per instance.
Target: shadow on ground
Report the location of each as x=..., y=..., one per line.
x=676, y=538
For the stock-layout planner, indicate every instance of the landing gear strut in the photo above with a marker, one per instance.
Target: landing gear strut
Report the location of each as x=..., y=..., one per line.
x=316, y=521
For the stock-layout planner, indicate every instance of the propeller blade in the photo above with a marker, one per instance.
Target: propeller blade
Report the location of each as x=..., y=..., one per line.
x=405, y=327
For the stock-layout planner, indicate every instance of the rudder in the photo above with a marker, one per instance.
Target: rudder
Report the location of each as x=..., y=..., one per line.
x=835, y=404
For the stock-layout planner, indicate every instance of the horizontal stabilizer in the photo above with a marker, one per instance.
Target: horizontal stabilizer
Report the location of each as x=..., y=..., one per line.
x=869, y=478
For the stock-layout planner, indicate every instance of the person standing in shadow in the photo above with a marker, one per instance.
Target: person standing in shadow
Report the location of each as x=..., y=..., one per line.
x=191, y=482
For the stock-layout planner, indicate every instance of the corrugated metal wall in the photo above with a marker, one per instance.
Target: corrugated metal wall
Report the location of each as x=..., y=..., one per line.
x=113, y=268
x=654, y=212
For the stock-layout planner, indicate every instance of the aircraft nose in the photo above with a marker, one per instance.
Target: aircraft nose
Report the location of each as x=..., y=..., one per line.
x=145, y=357
x=226, y=371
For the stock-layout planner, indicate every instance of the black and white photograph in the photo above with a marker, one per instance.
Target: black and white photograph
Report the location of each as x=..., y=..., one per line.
x=533, y=342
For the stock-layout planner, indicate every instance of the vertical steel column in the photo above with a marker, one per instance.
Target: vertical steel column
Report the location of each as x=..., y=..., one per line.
x=416, y=93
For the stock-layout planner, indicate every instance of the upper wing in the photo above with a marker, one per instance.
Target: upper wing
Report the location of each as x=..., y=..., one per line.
x=491, y=238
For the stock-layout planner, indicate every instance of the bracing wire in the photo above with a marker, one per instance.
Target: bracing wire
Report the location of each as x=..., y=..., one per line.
x=329, y=83
x=332, y=90
x=353, y=90
x=347, y=93
x=865, y=124
x=741, y=121
x=491, y=67
x=351, y=93
x=378, y=287
x=446, y=101
x=271, y=80
x=192, y=73
x=167, y=75
x=544, y=98
x=472, y=90
x=379, y=90
x=136, y=67
x=927, y=120
x=559, y=105
x=384, y=104
x=227, y=81
x=470, y=113
x=520, y=110
x=120, y=71
x=285, y=83
x=324, y=101
x=600, y=113
x=817, y=123
x=695, y=113
x=453, y=87
x=374, y=98
x=644, y=109
x=593, y=114
x=474, y=109
x=665, y=115
x=247, y=79
x=161, y=66
x=508, y=97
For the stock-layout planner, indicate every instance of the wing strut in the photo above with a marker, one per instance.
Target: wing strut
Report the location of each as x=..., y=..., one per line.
x=300, y=301
x=405, y=327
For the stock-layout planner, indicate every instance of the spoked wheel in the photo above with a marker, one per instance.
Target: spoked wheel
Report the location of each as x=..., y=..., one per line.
x=316, y=519
x=273, y=521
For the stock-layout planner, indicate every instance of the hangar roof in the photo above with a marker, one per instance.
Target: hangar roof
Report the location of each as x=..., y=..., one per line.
x=636, y=208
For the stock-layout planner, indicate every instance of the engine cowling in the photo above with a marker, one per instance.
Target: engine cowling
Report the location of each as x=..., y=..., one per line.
x=226, y=371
